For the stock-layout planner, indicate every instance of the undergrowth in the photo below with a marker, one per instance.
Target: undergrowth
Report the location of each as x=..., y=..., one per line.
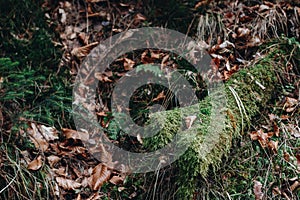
x=32, y=89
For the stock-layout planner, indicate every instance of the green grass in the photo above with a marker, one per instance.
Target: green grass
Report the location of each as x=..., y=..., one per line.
x=32, y=88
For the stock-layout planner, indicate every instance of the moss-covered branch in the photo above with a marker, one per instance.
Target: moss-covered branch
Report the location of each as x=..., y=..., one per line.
x=246, y=94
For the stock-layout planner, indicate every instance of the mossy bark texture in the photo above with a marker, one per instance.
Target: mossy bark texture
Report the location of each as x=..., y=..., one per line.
x=245, y=95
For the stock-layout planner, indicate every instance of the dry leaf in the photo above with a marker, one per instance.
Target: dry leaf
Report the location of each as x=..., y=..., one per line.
x=243, y=32
x=128, y=64
x=139, y=17
x=164, y=60
x=81, y=52
x=290, y=104
x=202, y=3
x=257, y=190
x=253, y=135
x=102, y=77
x=273, y=145
x=99, y=176
x=294, y=130
x=189, y=121
x=60, y=171
x=134, y=194
x=263, y=138
x=67, y=184
x=83, y=38
x=52, y=160
x=70, y=133
x=117, y=180
x=49, y=133
x=36, y=163
x=159, y=96
x=155, y=54
x=37, y=138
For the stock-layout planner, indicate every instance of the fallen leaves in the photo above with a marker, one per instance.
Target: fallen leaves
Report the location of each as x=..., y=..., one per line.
x=100, y=175
x=264, y=139
x=70, y=133
x=290, y=104
x=81, y=52
x=67, y=184
x=40, y=135
x=36, y=164
x=69, y=162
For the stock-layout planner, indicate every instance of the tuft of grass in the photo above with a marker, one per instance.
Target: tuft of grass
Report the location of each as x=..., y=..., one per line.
x=32, y=88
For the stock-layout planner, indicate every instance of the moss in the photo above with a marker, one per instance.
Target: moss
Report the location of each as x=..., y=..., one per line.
x=247, y=92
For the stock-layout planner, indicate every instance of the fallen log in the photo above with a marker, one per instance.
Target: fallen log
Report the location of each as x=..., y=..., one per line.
x=246, y=94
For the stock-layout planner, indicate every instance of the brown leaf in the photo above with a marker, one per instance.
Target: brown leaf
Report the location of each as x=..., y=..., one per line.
x=70, y=133
x=159, y=96
x=155, y=54
x=117, y=180
x=273, y=145
x=99, y=176
x=83, y=38
x=290, y=104
x=60, y=171
x=52, y=160
x=139, y=17
x=101, y=114
x=67, y=184
x=254, y=41
x=243, y=32
x=35, y=164
x=254, y=135
x=49, y=133
x=128, y=64
x=294, y=130
x=262, y=138
x=81, y=52
x=37, y=138
x=189, y=121
x=164, y=60
x=102, y=77
x=202, y=3
x=257, y=190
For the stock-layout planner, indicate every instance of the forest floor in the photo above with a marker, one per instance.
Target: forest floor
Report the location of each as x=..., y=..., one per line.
x=43, y=45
